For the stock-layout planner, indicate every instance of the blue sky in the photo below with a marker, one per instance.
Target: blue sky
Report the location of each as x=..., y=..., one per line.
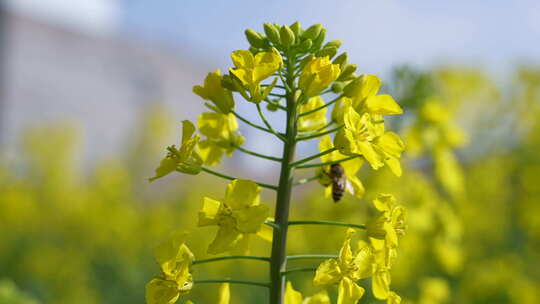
x=378, y=34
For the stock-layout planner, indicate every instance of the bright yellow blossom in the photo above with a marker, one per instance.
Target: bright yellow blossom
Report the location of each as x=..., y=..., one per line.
x=364, y=136
x=315, y=120
x=221, y=136
x=363, y=92
x=185, y=159
x=215, y=92
x=238, y=215
x=174, y=259
x=317, y=75
x=383, y=230
x=351, y=167
x=345, y=270
x=295, y=297
x=251, y=70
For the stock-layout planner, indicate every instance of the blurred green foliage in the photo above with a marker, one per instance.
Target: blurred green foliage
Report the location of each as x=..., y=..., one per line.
x=472, y=188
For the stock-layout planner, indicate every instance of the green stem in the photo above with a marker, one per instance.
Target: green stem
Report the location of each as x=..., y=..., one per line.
x=278, y=262
x=327, y=163
x=261, y=284
x=296, y=163
x=327, y=223
x=258, y=154
x=233, y=178
x=268, y=125
x=276, y=95
x=321, y=107
x=311, y=257
x=256, y=126
x=232, y=257
x=306, y=269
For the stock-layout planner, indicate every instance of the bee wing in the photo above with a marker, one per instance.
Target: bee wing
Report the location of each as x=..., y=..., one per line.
x=349, y=187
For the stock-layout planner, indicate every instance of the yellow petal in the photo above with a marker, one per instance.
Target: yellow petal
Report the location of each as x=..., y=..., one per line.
x=349, y=292
x=384, y=202
x=393, y=298
x=292, y=296
x=319, y=298
x=345, y=254
x=363, y=261
x=250, y=219
x=225, y=240
x=390, y=143
x=160, y=291
x=328, y=272
x=383, y=104
x=381, y=283
x=374, y=159
x=242, y=59
x=209, y=212
x=224, y=294
x=242, y=193
x=187, y=130
x=210, y=152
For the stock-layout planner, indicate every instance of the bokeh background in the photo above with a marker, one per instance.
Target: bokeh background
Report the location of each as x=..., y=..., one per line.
x=92, y=91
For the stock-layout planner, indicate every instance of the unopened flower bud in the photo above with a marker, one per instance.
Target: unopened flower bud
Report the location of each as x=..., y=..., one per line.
x=254, y=38
x=347, y=72
x=341, y=60
x=337, y=87
x=272, y=33
x=297, y=29
x=312, y=32
x=287, y=35
x=329, y=51
x=318, y=41
x=333, y=43
x=306, y=45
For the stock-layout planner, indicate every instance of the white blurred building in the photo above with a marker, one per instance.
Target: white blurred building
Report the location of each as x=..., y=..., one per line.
x=99, y=80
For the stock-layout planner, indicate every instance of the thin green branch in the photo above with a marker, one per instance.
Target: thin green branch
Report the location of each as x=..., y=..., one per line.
x=276, y=86
x=232, y=257
x=285, y=84
x=296, y=163
x=277, y=159
x=327, y=223
x=306, y=180
x=250, y=123
x=311, y=257
x=319, y=129
x=276, y=104
x=276, y=95
x=320, y=134
x=268, y=125
x=327, y=163
x=272, y=224
x=321, y=107
x=233, y=178
x=307, y=269
x=260, y=284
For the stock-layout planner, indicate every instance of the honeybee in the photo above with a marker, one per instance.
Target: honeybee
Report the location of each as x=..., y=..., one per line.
x=339, y=182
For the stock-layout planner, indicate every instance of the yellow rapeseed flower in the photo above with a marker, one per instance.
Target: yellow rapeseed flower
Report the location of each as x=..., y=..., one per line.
x=365, y=136
x=215, y=92
x=174, y=259
x=317, y=75
x=251, y=70
x=221, y=136
x=238, y=215
x=345, y=270
x=185, y=159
